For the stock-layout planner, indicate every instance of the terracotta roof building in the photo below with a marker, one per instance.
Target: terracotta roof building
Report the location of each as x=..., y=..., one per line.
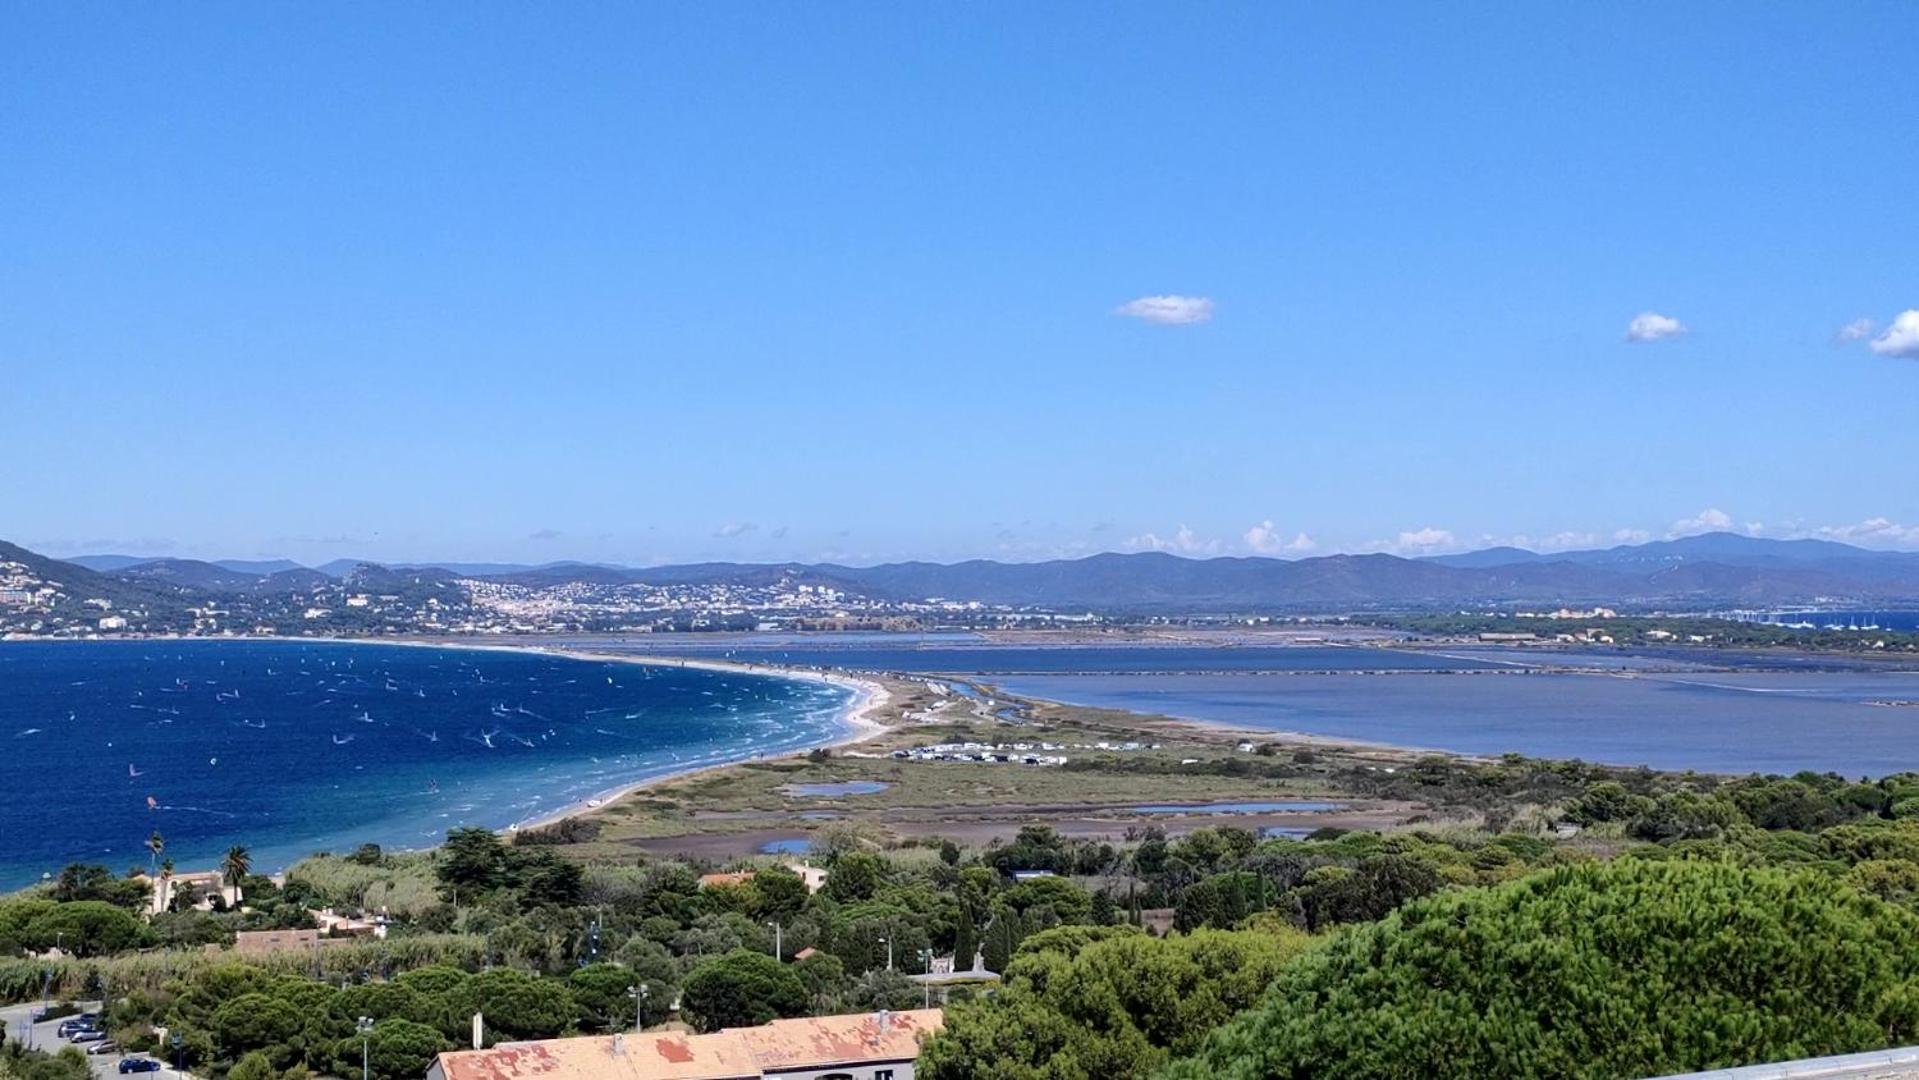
x=861, y=1046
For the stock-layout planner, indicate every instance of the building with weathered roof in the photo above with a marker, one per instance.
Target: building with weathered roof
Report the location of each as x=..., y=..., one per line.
x=859, y=1046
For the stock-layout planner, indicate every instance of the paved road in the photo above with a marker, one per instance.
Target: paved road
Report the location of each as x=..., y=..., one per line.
x=46, y=1036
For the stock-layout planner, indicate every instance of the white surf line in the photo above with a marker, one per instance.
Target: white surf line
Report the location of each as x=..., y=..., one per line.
x=1730, y=686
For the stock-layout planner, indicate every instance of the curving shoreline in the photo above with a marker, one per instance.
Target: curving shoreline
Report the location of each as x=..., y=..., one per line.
x=855, y=719
x=850, y=722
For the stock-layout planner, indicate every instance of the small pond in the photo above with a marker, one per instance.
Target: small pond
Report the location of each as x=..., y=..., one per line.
x=830, y=791
x=1240, y=808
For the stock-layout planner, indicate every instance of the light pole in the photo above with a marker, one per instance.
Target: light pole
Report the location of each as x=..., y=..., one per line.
x=638, y=994
x=888, y=942
x=778, y=953
x=365, y=1028
x=926, y=983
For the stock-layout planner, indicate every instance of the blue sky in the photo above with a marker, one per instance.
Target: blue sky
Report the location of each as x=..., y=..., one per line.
x=647, y=283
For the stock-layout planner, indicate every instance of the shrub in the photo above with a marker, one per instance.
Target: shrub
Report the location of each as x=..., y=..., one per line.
x=1633, y=968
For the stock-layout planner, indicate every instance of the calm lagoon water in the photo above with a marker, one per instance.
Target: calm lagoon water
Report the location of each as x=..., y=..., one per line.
x=290, y=747
x=1744, y=721
x=1678, y=707
x=1240, y=808
x=834, y=791
x=950, y=657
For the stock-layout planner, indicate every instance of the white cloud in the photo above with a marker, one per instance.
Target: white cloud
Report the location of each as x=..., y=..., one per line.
x=1652, y=326
x=1901, y=339
x=1168, y=310
x=1631, y=536
x=734, y=528
x=1569, y=541
x=1856, y=330
x=1877, y=530
x=1706, y=521
x=1266, y=540
x=1425, y=540
x=1182, y=542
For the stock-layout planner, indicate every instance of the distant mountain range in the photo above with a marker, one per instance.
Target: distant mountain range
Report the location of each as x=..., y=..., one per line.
x=1715, y=569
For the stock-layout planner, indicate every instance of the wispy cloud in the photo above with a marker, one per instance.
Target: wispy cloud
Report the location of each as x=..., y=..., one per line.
x=1856, y=330
x=1630, y=536
x=1705, y=521
x=1876, y=530
x=1168, y=310
x=734, y=528
x=1267, y=540
x=544, y=534
x=1569, y=541
x=1652, y=326
x=1901, y=339
x=1183, y=542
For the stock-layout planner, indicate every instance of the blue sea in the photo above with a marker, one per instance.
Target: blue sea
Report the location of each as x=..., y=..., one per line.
x=292, y=747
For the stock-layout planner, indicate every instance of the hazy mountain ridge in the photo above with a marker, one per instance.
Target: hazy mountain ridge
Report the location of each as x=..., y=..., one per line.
x=1712, y=569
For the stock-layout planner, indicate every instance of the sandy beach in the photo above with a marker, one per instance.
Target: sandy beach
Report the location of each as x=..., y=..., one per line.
x=857, y=721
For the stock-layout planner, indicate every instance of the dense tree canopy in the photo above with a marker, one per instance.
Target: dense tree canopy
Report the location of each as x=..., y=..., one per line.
x=740, y=989
x=1106, y=1003
x=1632, y=968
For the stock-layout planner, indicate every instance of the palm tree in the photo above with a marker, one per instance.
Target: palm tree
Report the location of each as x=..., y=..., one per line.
x=155, y=845
x=234, y=869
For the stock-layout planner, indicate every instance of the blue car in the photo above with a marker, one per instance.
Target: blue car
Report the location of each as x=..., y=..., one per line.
x=138, y=1065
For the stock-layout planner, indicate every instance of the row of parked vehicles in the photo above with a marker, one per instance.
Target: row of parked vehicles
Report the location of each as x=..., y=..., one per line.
x=87, y=1030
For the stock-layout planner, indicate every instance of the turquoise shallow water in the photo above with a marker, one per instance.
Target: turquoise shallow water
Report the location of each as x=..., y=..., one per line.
x=293, y=747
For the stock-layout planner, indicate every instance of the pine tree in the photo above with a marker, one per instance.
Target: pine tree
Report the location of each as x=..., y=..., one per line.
x=966, y=941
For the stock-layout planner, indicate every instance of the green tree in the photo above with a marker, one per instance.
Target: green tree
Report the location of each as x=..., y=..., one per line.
x=1106, y=1002
x=966, y=940
x=600, y=991
x=516, y=1004
x=856, y=876
x=472, y=861
x=1631, y=968
x=741, y=989
x=777, y=893
x=396, y=1049
x=85, y=928
x=256, y=1022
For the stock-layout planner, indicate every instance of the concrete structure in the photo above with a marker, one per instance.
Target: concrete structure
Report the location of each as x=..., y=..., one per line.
x=1899, y=1064
x=812, y=876
x=860, y=1046
x=944, y=973
x=263, y=942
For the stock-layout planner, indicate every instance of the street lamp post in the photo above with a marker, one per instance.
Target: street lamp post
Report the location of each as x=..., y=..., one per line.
x=638, y=994
x=888, y=942
x=778, y=952
x=365, y=1028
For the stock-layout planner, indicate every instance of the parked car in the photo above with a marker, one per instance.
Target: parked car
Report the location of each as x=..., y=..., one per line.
x=105, y=1046
x=138, y=1065
x=77, y=1023
x=86, y=1035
